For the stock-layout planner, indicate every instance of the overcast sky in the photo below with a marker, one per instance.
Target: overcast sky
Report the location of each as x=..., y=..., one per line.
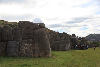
x=81, y=17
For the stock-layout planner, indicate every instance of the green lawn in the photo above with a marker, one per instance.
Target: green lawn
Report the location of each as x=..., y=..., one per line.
x=72, y=58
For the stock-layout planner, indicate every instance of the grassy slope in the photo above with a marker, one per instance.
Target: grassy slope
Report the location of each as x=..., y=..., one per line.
x=72, y=58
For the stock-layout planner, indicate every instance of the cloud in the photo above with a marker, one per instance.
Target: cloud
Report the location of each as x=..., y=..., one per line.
x=55, y=25
x=87, y=27
x=82, y=28
x=78, y=20
x=72, y=16
x=17, y=18
x=62, y=25
x=37, y=20
x=12, y=1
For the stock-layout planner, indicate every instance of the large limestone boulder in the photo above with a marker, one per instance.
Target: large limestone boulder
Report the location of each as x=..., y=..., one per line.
x=61, y=45
x=26, y=39
x=17, y=34
x=12, y=48
x=40, y=38
x=3, y=48
x=59, y=41
x=6, y=33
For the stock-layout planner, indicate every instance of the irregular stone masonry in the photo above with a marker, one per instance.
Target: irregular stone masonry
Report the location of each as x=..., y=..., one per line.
x=3, y=48
x=64, y=41
x=26, y=39
x=59, y=41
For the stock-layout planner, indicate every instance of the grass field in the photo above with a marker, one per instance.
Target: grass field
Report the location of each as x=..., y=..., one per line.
x=72, y=58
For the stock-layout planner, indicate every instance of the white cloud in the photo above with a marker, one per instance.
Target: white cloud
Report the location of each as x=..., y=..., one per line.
x=55, y=12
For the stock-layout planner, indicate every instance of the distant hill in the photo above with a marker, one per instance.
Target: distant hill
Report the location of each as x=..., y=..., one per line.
x=93, y=37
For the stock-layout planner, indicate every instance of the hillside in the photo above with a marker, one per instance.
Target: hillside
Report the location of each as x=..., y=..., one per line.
x=93, y=37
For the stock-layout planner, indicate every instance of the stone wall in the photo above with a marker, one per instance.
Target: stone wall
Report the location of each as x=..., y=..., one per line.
x=79, y=42
x=3, y=48
x=59, y=41
x=26, y=39
x=74, y=41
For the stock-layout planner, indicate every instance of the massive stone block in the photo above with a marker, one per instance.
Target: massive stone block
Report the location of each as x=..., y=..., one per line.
x=40, y=38
x=12, y=48
x=17, y=34
x=3, y=48
x=6, y=34
x=61, y=45
x=27, y=29
x=39, y=46
x=25, y=48
x=31, y=44
x=25, y=39
x=59, y=41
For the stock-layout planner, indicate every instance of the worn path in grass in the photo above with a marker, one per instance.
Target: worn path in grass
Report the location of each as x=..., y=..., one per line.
x=72, y=58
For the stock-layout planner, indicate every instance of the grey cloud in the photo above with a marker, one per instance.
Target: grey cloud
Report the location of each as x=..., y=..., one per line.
x=71, y=23
x=51, y=19
x=78, y=20
x=60, y=25
x=37, y=20
x=55, y=25
x=16, y=18
x=10, y=1
x=98, y=2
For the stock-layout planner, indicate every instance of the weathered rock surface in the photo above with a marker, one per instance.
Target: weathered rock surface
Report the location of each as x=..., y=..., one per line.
x=93, y=37
x=59, y=41
x=28, y=39
x=12, y=48
x=25, y=39
x=3, y=48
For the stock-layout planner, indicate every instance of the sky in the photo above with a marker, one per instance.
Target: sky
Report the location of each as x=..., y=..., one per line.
x=80, y=17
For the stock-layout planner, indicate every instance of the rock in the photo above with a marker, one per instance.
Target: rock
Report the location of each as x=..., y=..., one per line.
x=12, y=48
x=2, y=48
x=6, y=33
x=40, y=38
x=26, y=48
x=61, y=45
x=17, y=34
x=59, y=41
